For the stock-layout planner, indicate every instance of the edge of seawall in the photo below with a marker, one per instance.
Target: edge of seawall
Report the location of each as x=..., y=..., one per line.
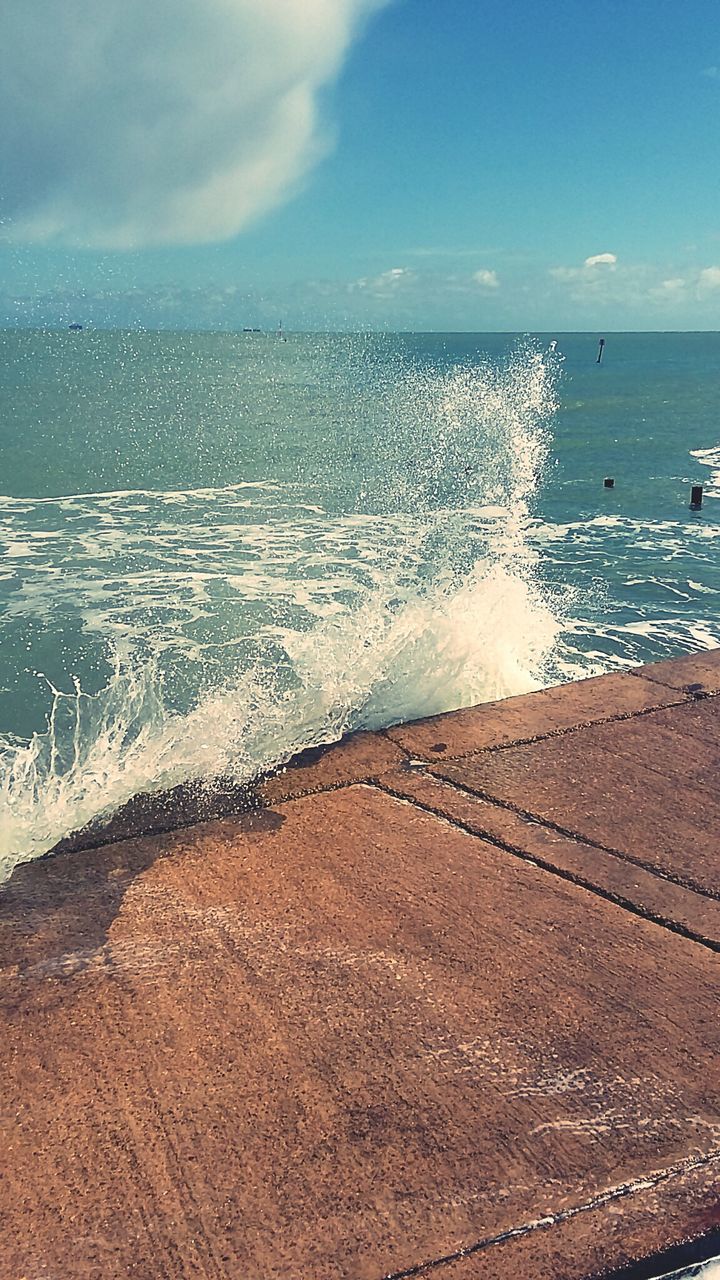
x=435, y=1000
x=365, y=755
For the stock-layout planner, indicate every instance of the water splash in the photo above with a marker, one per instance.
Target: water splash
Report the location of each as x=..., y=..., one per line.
x=429, y=604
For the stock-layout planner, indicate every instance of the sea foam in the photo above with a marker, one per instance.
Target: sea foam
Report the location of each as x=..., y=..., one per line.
x=426, y=600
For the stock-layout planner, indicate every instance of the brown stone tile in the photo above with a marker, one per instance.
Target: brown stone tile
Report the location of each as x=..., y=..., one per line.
x=597, y=1242
x=647, y=788
x=695, y=673
x=655, y=896
x=334, y=1040
x=531, y=715
x=149, y=813
x=358, y=758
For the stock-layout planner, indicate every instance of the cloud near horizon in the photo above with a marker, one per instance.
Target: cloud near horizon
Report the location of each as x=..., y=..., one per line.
x=587, y=275
x=709, y=279
x=486, y=279
x=138, y=124
x=601, y=260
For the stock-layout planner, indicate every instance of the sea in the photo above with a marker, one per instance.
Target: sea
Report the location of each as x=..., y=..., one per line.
x=220, y=548
x=708, y=1271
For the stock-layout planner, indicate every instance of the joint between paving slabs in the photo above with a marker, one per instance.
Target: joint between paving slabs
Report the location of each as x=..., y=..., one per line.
x=618, y=718
x=538, y=861
x=410, y=758
x=693, y=691
x=426, y=766
x=423, y=767
x=563, y=1215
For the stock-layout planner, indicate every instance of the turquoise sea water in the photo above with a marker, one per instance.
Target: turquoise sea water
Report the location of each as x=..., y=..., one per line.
x=218, y=549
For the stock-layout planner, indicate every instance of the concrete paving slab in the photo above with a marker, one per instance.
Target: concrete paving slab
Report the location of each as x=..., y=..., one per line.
x=552, y=1252
x=644, y=789
x=532, y=715
x=342, y=1038
x=357, y=758
x=659, y=899
x=697, y=673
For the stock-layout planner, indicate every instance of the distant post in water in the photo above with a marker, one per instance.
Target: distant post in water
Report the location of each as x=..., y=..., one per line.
x=609, y=482
x=601, y=348
x=696, y=497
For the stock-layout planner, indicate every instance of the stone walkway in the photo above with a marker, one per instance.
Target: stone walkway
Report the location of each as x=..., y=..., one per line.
x=444, y=1004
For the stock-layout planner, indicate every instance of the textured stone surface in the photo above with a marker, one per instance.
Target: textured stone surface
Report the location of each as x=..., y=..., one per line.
x=633, y=886
x=600, y=1240
x=646, y=787
x=532, y=715
x=339, y=1039
x=696, y=673
x=347, y=1036
x=356, y=758
x=360, y=757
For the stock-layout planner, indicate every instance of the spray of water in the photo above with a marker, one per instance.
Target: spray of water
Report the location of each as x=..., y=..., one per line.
x=448, y=612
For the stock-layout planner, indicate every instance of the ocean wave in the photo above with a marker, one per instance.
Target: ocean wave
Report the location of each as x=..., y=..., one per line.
x=170, y=496
x=395, y=657
x=426, y=599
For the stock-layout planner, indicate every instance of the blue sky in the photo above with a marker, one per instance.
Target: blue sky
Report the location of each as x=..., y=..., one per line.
x=352, y=163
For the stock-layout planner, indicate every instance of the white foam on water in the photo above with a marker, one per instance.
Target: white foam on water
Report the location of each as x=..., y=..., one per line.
x=384, y=662
x=710, y=458
x=110, y=496
x=707, y=1271
x=391, y=618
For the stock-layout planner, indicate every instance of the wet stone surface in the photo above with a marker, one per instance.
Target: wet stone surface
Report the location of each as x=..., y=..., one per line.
x=389, y=1017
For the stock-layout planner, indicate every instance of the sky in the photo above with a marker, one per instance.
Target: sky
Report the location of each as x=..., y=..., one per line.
x=372, y=164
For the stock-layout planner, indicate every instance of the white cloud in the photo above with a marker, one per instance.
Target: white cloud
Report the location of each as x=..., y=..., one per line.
x=601, y=259
x=709, y=279
x=387, y=281
x=713, y=73
x=668, y=291
x=145, y=122
x=394, y=276
x=486, y=279
x=606, y=284
x=586, y=275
